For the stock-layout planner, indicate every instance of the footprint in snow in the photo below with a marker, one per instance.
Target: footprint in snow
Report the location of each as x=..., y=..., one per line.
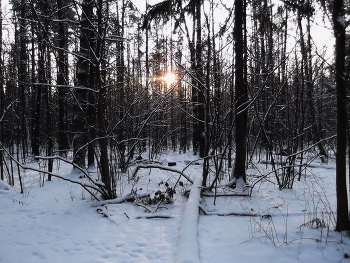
x=141, y=244
x=119, y=245
x=134, y=255
x=38, y=254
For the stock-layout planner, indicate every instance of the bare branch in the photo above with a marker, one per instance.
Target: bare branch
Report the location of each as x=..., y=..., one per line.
x=149, y=166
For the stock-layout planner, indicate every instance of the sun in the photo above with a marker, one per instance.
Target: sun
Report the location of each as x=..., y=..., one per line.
x=169, y=78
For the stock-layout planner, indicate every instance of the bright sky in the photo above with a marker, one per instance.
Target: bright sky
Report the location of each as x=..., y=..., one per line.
x=322, y=34
x=321, y=31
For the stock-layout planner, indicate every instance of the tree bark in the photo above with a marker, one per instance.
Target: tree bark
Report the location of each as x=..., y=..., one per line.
x=105, y=171
x=121, y=86
x=240, y=93
x=2, y=97
x=62, y=79
x=200, y=86
x=23, y=74
x=342, y=198
x=83, y=66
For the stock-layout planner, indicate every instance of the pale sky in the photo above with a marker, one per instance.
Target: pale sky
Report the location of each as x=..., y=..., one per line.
x=322, y=33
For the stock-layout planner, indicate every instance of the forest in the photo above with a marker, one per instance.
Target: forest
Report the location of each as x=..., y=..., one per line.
x=114, y=85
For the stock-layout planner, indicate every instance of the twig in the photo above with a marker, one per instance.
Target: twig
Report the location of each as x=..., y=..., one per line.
x=209, y=194
x=153, y=217
x=142, y=205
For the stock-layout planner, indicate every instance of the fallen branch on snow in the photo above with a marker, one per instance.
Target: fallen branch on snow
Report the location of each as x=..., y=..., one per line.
x=153, y=217
x=231, y=193
x=207, y=213
x=128, y=197
x=87, y=187
x=149, y=166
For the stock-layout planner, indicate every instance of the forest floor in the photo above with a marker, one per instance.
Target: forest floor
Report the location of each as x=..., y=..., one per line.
x=56, y=221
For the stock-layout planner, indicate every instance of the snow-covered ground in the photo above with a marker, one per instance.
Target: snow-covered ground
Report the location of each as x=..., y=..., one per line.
x=58, y=221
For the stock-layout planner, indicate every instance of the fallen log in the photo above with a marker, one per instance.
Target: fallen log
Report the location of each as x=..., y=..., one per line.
x=187, y=246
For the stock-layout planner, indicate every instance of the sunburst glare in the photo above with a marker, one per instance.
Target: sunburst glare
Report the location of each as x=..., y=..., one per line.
x=169, y=78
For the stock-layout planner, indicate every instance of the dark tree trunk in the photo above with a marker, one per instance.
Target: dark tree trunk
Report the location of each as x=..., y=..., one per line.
x=231, y=115
x=83, y=67
x=146, y=132
x=199, y=83
x=46, y=64
x=342, y=198
x=240, y=93
x=105, y=170
x=194, y=89
x=206, y=145
x=121, y=86
x=62, y=79
x=91, y=97
x=39, y=88
x=2, y=97
x=23, y=75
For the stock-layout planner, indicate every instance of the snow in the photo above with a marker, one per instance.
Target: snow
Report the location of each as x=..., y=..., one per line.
x=58, y=221
x=188, y=250
x=4, y=186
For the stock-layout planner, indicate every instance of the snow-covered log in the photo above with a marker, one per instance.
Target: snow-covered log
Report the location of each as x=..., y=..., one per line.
x=187, y=246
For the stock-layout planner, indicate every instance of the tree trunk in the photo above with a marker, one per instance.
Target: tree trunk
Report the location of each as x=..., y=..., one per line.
x=241, y=95
x=82, y=76
x=194, y=96
x=62, y=80
x=121, y=86
x=342, y=198
x=105, y=171
x=199, y=85
x=23, y=74
x=91, y=97
x=2, y=96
